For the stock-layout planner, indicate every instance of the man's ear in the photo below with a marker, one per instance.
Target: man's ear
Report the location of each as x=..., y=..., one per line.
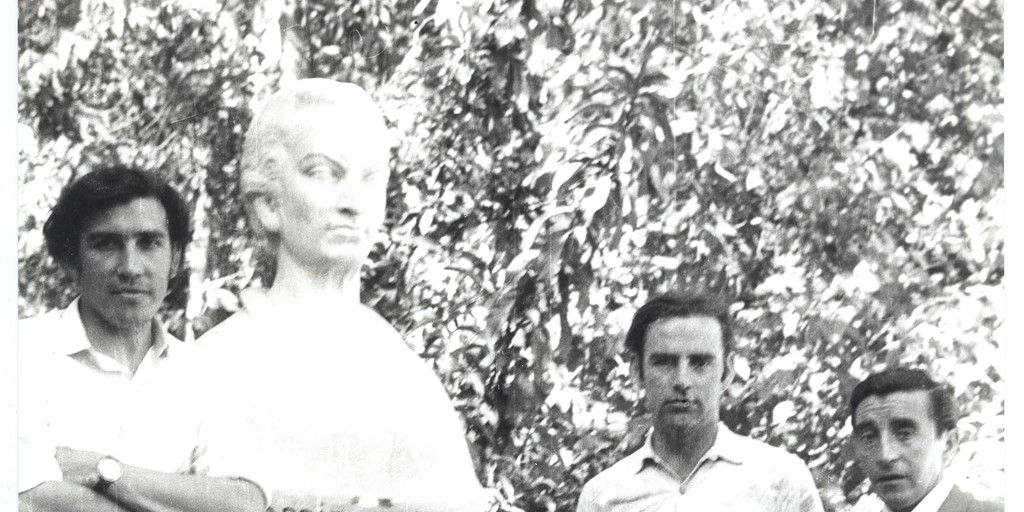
x=951, y=446
x=636, y=371
x=73, y=270
x=728, y=370
x=177, y=260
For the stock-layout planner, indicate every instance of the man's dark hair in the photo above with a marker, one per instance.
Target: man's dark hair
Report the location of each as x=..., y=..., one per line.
x=101, y=190
x=905, y=379
x=682, y=305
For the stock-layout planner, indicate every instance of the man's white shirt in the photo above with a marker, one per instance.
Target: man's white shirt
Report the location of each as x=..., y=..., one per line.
x=71, y=395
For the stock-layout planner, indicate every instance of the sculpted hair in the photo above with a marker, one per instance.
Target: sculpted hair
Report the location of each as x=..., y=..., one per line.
x=905, y=379
x=101, y=190
x=681, y=305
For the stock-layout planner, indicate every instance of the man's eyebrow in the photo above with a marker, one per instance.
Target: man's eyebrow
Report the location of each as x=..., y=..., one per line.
x=865, y=425
x=663, y=355
x=903, y=423
x=120, y=234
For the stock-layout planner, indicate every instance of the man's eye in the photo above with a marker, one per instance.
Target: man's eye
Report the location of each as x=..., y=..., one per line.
x=904, y=434
x=151, y=242
x=700, y=362
x=102, y=244
x=866, y=436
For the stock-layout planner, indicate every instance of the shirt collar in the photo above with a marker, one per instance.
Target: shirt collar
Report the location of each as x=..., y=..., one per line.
x=934, y=499
x=74, y=339
x=725, y=448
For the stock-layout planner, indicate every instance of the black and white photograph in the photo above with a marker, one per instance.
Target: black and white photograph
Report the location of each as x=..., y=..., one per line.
x=511, y=256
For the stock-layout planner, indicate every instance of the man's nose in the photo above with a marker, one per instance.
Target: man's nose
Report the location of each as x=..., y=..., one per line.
x=131, y=263
x=887, y=451
x=683, y=378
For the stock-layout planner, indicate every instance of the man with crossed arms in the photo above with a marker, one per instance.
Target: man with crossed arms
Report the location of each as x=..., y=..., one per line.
x=107, y=416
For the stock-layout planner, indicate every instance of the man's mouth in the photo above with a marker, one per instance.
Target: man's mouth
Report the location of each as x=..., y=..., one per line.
x=890, y=478
x=130, y=292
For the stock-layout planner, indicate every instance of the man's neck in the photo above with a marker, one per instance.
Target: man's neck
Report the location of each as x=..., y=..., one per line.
x=125, y=344
x=932, y=500
x=682, y=449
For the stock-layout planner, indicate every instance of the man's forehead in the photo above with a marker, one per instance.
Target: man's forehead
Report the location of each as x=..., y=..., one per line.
x=900, y=405
x=141, y=215
x=690, y=334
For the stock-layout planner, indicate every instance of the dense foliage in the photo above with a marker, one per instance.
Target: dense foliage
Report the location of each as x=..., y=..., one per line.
x=835, y=168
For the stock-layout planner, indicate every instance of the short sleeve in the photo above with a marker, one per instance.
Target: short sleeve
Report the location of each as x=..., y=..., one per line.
x=799, y=492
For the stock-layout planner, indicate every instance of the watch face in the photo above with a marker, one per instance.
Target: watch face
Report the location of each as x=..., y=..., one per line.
x=109, y=470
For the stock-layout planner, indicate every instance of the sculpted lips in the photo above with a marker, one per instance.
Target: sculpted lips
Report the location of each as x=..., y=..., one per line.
x=342, y=227
x=348, y=232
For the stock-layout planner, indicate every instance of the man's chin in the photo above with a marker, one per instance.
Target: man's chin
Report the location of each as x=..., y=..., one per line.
x=684, y=422
x=132, y=319
x=897, y=497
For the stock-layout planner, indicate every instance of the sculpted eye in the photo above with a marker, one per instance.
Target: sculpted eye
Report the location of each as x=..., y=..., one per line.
x=371, y=175
x=319, y=172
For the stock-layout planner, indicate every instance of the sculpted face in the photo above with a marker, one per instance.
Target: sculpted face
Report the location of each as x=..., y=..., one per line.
x=332, y=179
x=683, y=370
x=896, y=444
x=125, y=261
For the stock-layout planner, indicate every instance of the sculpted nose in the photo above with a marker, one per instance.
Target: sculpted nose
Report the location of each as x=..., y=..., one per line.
x=345, y=195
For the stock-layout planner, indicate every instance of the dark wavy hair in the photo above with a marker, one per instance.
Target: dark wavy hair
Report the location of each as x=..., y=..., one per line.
x=101, y=190
x=672, y=305
x=905, y=379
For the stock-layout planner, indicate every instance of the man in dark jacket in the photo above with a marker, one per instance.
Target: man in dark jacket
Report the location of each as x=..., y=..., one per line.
x=904, y=437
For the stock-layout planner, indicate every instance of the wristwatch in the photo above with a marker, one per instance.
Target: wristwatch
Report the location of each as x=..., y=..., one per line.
x=108, y=471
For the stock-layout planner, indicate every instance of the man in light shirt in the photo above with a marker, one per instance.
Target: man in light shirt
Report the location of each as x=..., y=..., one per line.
x=107, y=418
x=690, y=460
x=316, y=392
x=904, y=438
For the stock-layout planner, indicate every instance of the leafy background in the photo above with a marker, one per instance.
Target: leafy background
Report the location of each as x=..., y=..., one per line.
x=834, y=166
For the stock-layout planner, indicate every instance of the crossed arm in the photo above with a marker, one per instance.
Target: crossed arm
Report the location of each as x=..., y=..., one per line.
x=138, y=490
